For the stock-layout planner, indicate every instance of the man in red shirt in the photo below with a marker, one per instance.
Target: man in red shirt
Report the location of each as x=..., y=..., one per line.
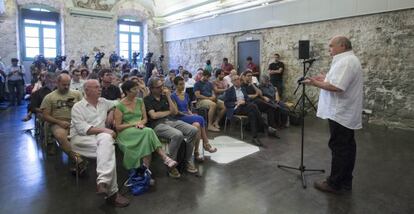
x=253, y=67
x=226, y=66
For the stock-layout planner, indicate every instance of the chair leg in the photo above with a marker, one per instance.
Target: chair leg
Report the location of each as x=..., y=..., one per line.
x=241, y=129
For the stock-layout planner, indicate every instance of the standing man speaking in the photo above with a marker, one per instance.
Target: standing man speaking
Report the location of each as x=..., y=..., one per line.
x=340, y=101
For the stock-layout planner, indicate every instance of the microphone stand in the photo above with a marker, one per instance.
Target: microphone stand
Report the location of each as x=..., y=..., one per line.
x=302, y=99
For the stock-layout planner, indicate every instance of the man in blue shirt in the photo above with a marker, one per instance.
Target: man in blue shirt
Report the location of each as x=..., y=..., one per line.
x=203, y=90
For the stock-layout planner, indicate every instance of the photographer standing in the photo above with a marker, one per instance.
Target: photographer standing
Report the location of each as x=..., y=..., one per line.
x=15, y=82
x=340, y=101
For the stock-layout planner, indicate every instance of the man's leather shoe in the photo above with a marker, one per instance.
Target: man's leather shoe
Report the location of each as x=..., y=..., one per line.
x=118, y=200
x=325, y=187
x=102, y=189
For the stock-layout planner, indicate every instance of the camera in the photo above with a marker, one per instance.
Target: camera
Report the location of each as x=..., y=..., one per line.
x=113, y=59
x=135, y=56
x=58, y=61
x=39, y=60
x=98, y=57
x=148, y=57
x=84, y=60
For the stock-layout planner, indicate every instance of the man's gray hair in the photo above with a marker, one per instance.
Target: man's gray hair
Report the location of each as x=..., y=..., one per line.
x=342, y=40
x=234, y=76
x=153, y=81
x=87, y=82
x=264, y=78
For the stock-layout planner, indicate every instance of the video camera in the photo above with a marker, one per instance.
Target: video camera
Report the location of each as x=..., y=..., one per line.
x=84, y=60
x=113, y=58
x=135, y=56
x=98, y=57
x=58, y=61
x=39, y=60
x=148, y=57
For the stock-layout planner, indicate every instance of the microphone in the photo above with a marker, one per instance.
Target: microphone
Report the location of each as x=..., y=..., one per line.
x=311, y=60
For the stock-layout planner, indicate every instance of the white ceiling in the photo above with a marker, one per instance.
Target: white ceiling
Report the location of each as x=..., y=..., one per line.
x=168, y=12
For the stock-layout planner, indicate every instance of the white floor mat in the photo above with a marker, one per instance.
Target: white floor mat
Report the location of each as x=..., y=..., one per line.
x=229, y=149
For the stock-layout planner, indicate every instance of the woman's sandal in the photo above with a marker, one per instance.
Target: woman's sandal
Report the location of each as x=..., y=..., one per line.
x=170, y=162
x=197, y=157
x=209, y=148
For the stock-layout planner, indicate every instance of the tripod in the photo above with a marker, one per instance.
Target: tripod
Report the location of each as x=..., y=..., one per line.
x=302, y=99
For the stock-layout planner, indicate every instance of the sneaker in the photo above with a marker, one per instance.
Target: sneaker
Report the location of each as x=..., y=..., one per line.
x=191, y=168
x=174, y=173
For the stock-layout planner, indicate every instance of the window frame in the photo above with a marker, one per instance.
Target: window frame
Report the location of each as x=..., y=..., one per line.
x=140, y=34
x=27, y=13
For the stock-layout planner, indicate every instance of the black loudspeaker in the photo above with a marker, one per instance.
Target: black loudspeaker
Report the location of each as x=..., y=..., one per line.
x=303, y=49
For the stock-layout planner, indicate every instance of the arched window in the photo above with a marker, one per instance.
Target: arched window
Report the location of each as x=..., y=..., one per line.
x=130, y=38
x=39, y=33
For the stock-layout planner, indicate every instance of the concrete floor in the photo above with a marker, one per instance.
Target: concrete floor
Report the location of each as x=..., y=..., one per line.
x=383, y=183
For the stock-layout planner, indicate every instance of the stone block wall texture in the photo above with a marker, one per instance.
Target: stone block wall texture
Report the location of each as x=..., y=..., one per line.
x=81, y=34
x=383, y=42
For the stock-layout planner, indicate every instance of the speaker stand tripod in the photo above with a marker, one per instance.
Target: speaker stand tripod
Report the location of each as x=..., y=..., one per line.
x=302, y=100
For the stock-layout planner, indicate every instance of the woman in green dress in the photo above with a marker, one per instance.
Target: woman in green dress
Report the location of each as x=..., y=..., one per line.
x=134, y=139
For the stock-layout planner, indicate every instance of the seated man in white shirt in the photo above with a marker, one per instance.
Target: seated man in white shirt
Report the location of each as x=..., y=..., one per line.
x=90, y=138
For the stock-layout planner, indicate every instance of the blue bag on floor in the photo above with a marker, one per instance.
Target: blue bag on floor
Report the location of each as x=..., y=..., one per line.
x=139, y=181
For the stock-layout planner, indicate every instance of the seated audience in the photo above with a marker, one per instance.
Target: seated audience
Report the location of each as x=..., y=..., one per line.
x=71, y=66
x=161, y=112
x=208, y=66
x=203, y=90
x=36, y=98
x=220, y=85
x=181, y=101
x=56, y=108
x=255, y=94
x=77, y=82
x=180, y=70
x=189, y=82
x=109, y=91
x=143, y=90
x=169, y=82
x=199, y=74
x=154, y=74
x=228, y=77
x=136, y=140
x=271, y=97
x=253, y=67
x=40, y=81
x=226, y=66
x=84, y=74
x=90, y=138
x=238, y=103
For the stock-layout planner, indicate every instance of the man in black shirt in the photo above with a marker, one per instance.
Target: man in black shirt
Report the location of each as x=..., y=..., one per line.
x=161, y=112
x=109, y=91
x=254, y=94
x=276, y=70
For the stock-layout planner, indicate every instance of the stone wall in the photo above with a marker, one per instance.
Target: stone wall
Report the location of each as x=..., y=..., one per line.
x=81, y=34
x=384, y=43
